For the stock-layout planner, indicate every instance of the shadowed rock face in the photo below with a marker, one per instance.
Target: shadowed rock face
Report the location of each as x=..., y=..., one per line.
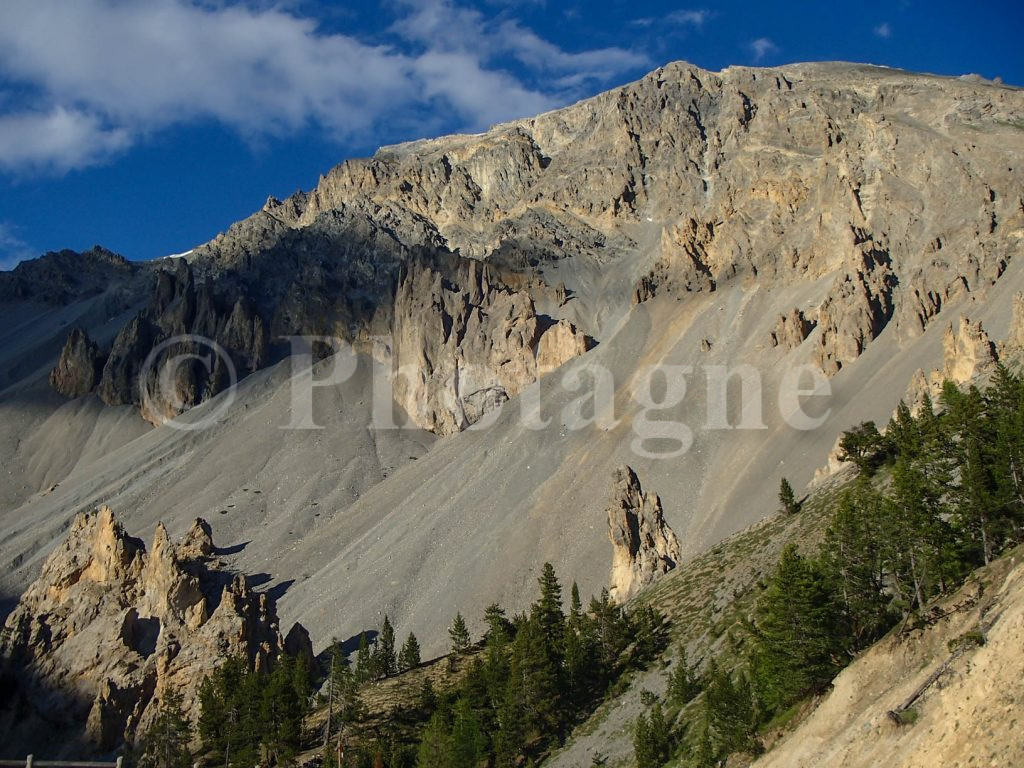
x=108, y=627
x=79, y=368
x=176, y=308
x=644, y=547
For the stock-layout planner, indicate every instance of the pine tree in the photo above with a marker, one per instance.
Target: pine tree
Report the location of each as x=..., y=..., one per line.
x=580, y=645
x=1006, y=398
x=787, y=499
x=534, y=681
x=863, y=446
x=384, y=659
x=282, y=711
x=799, y=632
x=652, y=743
x=409, y=658
x=729, y=709
x=468, y=743
x=166, y=743
x=459, y=634
x=611, y=631
x=426, y=700
x=854, y=556
x=435, y=748
x=497, y=622
x=364, y=660
x=548, y=610
x=683, y=685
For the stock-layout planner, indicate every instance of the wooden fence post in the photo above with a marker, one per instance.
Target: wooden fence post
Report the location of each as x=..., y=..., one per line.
x=28, y=762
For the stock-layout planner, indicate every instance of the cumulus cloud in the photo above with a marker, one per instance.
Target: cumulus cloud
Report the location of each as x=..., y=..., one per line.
x=12, y=248
x=56, y=140
x=884, y=30
x=761, y=48
x=88, y=79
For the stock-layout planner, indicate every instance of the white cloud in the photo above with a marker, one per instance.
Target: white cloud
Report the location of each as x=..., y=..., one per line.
x=681, y=18
x=12, y=248
x=693, y=18
x=440, y=25
x=884, y=30
x=761, y=48
x=102, y=74
x=56, y=140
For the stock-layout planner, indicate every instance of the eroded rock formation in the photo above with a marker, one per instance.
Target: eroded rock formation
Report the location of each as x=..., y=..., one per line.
x=109, y=626
x=80, y=365
x=464, y=342
x=643, y=545
x=791, y=329
x=161, y=361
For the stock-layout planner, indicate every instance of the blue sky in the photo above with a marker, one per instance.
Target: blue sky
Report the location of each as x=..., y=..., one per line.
x=148, y=127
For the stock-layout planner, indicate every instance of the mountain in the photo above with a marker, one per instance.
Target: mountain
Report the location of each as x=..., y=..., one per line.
x=838, y=215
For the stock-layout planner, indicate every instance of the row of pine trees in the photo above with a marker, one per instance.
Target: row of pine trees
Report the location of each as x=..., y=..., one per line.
x=938, y=494
x=522, y=687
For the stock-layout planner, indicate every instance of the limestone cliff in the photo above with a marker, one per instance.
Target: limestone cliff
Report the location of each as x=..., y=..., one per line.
x=464, y=342
x=644, y=547
x=109, y=626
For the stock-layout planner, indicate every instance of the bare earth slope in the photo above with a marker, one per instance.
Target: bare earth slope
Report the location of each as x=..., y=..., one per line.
x=832, y=214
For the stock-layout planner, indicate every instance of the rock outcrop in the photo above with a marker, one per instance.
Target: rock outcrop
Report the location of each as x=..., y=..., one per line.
x=644, y=547
x=108, y=627
x=790, y=330
x=163, y=360
x=1012, y=348
x=968, y=357
x=79, y=368
x=464, y=342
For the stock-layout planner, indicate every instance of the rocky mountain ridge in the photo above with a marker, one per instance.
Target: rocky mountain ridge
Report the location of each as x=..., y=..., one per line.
x=685, y=181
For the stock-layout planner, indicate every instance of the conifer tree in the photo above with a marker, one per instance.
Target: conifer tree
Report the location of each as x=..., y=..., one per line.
x=854, y=556
x=534, y=681
x=799, y=632
x=863, y=446
x=729, y=709
x=409, y=658
x=547, y=611
x=1006, y=396
x=580, y=645
x=497, y=622
x=652, y=744
x=364, y=660
x=166, y=743
x=468, y=743
x=435, y=748
x=787, y=499
x=342, y=693
x=683, y=685
x=459, y=634
x=385, y=661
